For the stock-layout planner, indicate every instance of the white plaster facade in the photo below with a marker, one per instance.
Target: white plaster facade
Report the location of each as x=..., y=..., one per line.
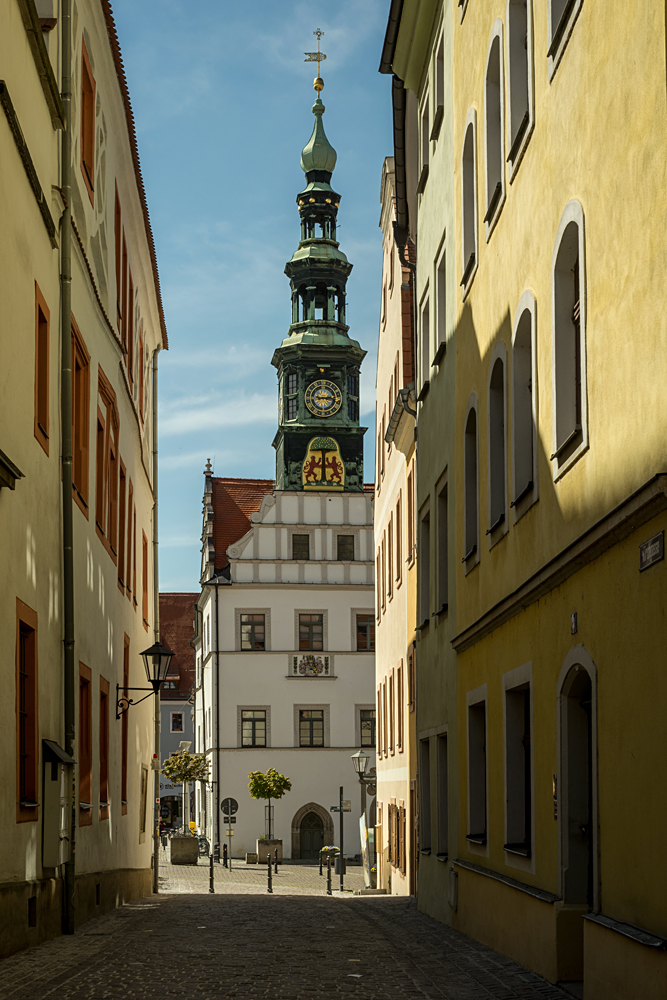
x=262, y=578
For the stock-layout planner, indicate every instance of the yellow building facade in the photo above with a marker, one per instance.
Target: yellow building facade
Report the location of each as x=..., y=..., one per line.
x=395, y=543
x=559, y=164
x=77, y=502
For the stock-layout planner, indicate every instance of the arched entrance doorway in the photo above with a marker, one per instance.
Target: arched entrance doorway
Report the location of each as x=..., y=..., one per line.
x=312, y=829
x=312, y=836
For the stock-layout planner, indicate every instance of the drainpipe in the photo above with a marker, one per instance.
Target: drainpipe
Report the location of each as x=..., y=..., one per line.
x=156, y=634
x=217, y=713
x=66, y=439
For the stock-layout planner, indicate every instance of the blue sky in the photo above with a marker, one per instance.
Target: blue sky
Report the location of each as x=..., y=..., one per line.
x=222, y=97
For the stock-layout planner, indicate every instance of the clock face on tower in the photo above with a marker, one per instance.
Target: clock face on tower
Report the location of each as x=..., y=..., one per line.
x=323, y=398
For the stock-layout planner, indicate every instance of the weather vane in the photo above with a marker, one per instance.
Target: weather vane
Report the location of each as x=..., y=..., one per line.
x=317, y=57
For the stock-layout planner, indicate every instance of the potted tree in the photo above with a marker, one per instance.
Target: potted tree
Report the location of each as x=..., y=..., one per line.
x=268, y=786
x=184, y=767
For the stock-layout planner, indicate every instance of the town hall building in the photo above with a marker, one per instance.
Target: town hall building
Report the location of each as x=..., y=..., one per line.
x=285, y=626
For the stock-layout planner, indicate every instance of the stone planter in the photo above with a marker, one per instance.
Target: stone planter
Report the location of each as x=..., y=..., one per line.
x=266, y=847
x=184, y=850
x=251, y=859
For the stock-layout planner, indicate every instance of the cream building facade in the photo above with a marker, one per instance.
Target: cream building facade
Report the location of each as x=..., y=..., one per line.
x=395, y=548
x=81, y=327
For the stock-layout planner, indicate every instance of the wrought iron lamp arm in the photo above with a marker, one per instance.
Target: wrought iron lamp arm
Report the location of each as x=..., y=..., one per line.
x=123, y=703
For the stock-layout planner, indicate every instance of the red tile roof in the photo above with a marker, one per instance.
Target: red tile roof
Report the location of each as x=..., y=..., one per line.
x=234, y=500
x=177, y=615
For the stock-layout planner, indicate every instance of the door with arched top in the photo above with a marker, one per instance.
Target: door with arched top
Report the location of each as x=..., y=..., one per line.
x=312, y=835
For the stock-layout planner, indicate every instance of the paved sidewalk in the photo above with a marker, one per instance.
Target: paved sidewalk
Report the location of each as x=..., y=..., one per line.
x=243, y=943
x=301, y=878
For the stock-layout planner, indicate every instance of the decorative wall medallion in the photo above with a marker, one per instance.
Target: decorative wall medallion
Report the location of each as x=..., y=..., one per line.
x=323, y=467
x=323, y=398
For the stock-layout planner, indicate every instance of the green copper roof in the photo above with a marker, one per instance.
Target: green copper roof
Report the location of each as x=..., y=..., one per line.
x=318, y=153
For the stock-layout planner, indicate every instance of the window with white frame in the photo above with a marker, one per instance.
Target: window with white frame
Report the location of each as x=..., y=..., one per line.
x=568, y=316
x=253, y=727
x=425, y=346
x=469, y=204
x=524, y=405
x=424, y=563
x=440, y=307
x=562, y=15
x=470, y=484
x=494, y=129
x=477, y=773
x=177, y=722
x=442, y=543
x=424, y=145
x=497, y=448
x=439, y=95
x=520, y=77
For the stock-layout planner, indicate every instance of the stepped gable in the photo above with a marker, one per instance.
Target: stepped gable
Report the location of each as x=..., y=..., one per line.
x=234, y=500
x=176, y=630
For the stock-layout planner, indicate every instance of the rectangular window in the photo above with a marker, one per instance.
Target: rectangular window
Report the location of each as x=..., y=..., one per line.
x=106, y=479
x=392, y=713
x=425, y=354
x=143, y=808
x=383, y=555
x=176, y=722
x=292, y=404
x=27, y=755
x=291, y=384
x=311, y=629
x=253, y=632
x=130, y=326
x=385, y=728
x=118, y=242
x=144, y=578
x=380, y=733
x=311, y=727
x=365, y=633
x=400, y=706
x=80, y=418
x=100, y=470
x=477, y=773
x=345, y=547
x=425, y=568
x=85, y=746
x=412, y=681
x=401, y=840
x=425, y=795
x=353, y=397
x=300, y=546
x=383, y=442
x=425, y=146
x=518, y=770
x=123, y=292
x=443, y=571
x=399, y=540
x=367, y=726
x=122, y=499
x=87, y=123
x=378, y=586
x=128, y=559
x=140, y=375
x=134, y=556
x=253, y=727
x=441, y=308
x=390, y=556
x=443, y=792
x=378, y=456
x=411, y=517
x=124, y=726
x=104, y=748
x=41, y=370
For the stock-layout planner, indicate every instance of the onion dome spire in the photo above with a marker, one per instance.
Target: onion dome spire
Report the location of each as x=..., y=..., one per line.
x=318, y=153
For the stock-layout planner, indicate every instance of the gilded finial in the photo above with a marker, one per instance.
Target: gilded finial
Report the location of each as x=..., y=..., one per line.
x=318, y=57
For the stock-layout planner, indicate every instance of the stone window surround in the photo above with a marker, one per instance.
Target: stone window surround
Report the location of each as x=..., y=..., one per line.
x=556, y=56
x=267, y=628
x=327, y=728
x=358, y=709
x=476, y=697
x=515, y=678
x=473, y=404
x=521, y=148
x=499, y=352
x=346, y=530
x=353, y=620
x=239, y=728
x=528, y=305
x=325, y=629
x=171, y=722
x=497, y=33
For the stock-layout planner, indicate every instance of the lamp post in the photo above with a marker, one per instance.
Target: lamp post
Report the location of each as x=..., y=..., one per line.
x=184, y=746
x=360, y=760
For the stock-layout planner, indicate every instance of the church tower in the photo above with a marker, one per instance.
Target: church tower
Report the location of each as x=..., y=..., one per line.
x=319, y=444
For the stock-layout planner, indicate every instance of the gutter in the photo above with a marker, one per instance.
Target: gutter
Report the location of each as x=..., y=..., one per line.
x=403, y=400
x=391, y=36
x=156, y=630
x=69, y=678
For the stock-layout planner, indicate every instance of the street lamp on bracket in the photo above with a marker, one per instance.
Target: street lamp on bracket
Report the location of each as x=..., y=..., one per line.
x=367, y=778
x=156, y=661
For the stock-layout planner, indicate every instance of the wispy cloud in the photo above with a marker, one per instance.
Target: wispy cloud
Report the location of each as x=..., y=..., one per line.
x=208, y=412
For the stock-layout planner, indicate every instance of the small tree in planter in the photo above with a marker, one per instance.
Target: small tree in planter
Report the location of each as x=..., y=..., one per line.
x=184, y=767
x=268, y=786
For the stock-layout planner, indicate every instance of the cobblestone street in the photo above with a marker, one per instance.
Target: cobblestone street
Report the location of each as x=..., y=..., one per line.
x=242, y=942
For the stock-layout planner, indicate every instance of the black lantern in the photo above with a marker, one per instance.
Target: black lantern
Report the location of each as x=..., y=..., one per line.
x=156, y=661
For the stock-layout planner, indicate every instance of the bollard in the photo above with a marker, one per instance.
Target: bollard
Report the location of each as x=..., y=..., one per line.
x=269, y=883
x=328, y=875
x=211, y=887
x=224, y=855
x=322, y=849
x=216, y=852
x=276, y=861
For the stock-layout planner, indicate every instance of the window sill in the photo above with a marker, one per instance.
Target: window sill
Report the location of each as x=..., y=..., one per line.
x=520, y=849
x=477, y=838
x=520, y=144
x=561, y=35
x=437, y=122
x=28, y=804
x=439, y=354
x=441, y=611
x=423, y=392
x=423, y=177
x=469, y=275
x=442, y=857
x=425, y=850
x=80, y=502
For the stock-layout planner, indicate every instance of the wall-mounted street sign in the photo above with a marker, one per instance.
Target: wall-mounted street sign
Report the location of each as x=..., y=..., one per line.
x=652, y=551
x=229, y=806
x=230, y=819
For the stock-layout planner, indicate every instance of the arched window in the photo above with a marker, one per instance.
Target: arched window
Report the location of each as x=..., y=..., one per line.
x=497, y=446
x=562, y=15
x=471, y=485
x=520, y=75
x=524, y=407
x=494, y=129
x=468, y=205
x=568, y=322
